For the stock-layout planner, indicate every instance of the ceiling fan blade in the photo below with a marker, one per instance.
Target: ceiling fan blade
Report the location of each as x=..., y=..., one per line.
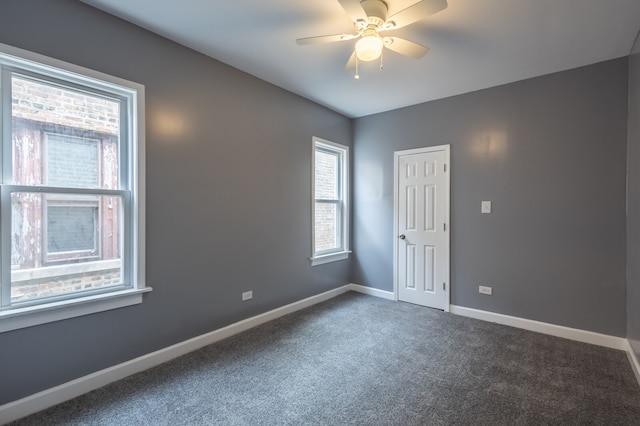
x=354, y=9
x=351, y=64
x=405, y=47
x=416, y=12
x=326, y=39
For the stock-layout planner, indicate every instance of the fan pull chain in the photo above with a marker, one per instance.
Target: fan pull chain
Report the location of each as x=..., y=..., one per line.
x=381, y=63
x=357, y=76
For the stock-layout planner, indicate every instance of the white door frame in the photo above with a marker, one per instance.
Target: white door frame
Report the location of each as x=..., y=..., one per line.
x=447, y=222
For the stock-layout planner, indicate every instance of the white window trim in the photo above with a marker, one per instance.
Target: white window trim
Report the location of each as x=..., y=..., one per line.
x=328, y=258
x=13, y=319
x=323, y=258
x=41, y=314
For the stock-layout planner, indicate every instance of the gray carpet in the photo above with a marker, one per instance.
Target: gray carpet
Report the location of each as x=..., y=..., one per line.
x=360, y=360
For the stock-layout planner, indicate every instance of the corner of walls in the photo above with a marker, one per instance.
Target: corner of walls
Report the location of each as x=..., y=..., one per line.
x=632, y=352
x=633, y=202
x=72, y=389
x=228, y=195
x=530, y=147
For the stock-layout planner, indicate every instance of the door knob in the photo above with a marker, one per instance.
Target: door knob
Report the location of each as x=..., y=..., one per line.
x=402, y=237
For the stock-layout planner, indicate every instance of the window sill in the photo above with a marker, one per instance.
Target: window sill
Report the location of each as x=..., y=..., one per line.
x=328, y=258
x=34, y=315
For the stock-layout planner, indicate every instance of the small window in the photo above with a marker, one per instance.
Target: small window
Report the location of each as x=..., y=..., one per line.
x=330, y=202
x=71, y=216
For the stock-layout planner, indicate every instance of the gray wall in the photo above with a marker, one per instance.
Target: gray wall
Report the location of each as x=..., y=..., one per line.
x=550, y=153
x=228, y=179
x=228, y=196
x=633, y=203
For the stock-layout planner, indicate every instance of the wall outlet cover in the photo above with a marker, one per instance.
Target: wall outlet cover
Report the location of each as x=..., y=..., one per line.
x=485, y=290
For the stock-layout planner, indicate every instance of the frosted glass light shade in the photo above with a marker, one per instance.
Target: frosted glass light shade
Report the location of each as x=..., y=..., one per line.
x=369, y=48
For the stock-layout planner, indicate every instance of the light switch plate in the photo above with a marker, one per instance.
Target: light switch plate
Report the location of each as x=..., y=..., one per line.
x=485, y=207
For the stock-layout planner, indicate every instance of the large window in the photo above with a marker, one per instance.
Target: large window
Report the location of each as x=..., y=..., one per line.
x=330, y=202
x=71, y=199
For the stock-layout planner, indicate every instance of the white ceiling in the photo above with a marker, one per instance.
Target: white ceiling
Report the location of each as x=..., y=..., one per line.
x=474, y=44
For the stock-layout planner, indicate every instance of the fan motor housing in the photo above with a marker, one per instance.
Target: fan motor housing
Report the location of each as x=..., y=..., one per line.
x=375, y=9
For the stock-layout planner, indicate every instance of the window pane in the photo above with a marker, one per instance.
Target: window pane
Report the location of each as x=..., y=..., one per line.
x=62, y=136
x=71, y=228
x=63, y=244
x=326, y=227
x=72, y=162
x=326, y=176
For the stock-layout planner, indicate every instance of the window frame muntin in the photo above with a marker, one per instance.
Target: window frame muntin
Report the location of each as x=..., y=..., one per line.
x=132, y=125
x=342, y=203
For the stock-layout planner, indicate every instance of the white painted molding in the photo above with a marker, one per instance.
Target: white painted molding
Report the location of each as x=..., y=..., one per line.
x=66, y=391
x=372, y=291
x=633, y=360
x=14, y=319
x=584, y=336
x=328, y=258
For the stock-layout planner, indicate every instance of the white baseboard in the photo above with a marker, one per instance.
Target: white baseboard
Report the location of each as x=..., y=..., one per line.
x=584, y=336
x=531, y=325
x=537, y=326
x=633, y=359
x=372, y=291
x=66, y=391
x=56, y=395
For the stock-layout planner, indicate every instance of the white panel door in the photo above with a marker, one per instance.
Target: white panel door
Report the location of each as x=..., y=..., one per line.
x=422, y=249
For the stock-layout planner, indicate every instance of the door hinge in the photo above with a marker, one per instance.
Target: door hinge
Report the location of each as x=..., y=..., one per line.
x=445, y=167
x=444, y=225
x=444, y=286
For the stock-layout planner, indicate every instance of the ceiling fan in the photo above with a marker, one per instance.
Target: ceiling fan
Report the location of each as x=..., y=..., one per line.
x=370, y=19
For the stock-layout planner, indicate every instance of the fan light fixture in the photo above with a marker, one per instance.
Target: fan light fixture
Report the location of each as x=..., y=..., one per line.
x=369, y=48
x=370, y=18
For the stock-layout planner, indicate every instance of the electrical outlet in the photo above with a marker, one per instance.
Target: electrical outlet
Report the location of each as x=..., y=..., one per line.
x=485, y=207
x=247, y=295
x=485, y=290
